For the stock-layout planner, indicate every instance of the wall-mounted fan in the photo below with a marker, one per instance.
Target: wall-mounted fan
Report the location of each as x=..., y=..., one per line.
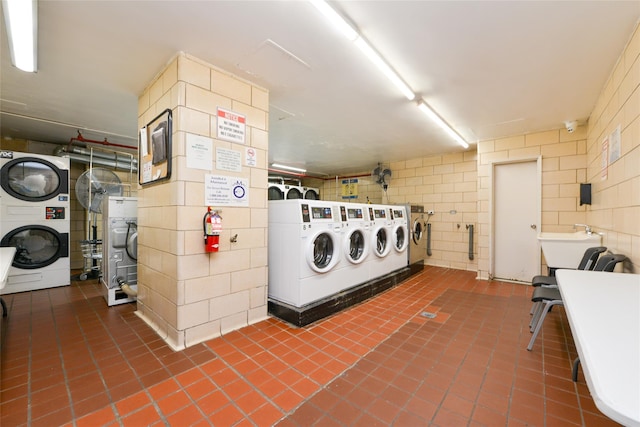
x=382, y=176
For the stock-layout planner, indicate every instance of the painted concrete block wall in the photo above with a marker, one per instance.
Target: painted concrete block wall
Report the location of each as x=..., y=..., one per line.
x=563, y=169
x=446, y=184
x=616, y=199
x=331, y=189
x=187, y=295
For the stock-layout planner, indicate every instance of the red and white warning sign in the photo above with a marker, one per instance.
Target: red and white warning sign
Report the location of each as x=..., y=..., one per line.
x=231, y=126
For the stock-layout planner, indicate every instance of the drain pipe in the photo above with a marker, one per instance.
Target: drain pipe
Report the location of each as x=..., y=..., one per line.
x=126, y=288
x=428, y=224
x=470, y=228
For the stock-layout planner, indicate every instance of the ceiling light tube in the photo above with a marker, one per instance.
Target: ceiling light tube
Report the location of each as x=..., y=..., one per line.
x=374, y=57
x=336, y=19
x=21, y=20
x=440, y=122
x=289, y=168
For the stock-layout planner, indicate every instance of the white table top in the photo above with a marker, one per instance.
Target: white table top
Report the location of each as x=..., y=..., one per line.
x=604, y=314
x=6, y=258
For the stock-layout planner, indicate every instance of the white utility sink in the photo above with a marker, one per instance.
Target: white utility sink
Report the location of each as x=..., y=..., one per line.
x=565, y=250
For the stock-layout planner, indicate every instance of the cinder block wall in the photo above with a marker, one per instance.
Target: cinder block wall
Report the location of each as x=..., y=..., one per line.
x=188, y=295
x=616, y=199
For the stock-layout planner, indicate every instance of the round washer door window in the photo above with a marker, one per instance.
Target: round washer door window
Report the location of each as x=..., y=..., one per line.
x=275, y=193
x=294, y=193
x=381, y=242
x=400, y=239
x=356, y=246
x=36, y=246
x=322, y=252
x=33, y=180
x=417, y=231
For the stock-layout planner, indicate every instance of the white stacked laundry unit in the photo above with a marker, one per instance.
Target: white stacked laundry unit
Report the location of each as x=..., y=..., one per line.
x=35, y=219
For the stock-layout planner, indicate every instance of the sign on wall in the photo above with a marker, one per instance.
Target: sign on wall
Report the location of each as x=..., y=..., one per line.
x=231, y=126
x=350, y=188
x=199, y=150
x=220, y=190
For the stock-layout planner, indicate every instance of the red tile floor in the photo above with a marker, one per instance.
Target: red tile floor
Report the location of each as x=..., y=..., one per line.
x=69, y=360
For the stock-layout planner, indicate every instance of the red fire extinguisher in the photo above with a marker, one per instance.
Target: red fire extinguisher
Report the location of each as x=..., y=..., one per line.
x=211, y=226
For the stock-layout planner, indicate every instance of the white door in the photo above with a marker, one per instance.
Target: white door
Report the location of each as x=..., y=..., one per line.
x=516, y=219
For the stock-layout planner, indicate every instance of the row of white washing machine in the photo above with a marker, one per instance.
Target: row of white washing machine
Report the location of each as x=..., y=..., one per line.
x=34, y=218
x=318, y=249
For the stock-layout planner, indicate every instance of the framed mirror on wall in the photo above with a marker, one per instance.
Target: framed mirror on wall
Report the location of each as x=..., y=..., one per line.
x=154, y=150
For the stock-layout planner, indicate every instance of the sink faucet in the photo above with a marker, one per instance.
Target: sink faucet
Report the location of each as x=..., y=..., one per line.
x=587, y=229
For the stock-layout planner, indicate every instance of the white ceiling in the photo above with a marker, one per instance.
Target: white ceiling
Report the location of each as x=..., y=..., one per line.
x=491, y=69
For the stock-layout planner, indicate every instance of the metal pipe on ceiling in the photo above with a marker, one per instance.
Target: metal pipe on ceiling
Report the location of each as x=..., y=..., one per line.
x=112, y=160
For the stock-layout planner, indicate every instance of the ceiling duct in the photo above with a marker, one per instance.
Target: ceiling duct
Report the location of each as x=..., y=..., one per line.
x=113, y=160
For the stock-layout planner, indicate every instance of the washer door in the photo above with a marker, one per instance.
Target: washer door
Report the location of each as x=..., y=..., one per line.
x=311, y=195
x=322, y=252
x=33, y=180
x=380, y=242
x=400, y=238
x=417, y=231
x=356, y=246
x=36, y=246
x=294, y=193
x=275, y=193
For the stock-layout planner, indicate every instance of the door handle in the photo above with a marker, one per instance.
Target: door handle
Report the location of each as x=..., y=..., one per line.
x=533, y=226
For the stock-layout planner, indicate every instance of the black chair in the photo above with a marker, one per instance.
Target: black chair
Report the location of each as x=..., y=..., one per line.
x=588, y=262
x=547, y=297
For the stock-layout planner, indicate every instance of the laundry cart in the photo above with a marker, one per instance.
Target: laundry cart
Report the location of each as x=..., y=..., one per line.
x=92, y=255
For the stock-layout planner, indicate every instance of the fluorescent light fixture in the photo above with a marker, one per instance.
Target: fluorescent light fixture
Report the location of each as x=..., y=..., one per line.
x=352, y=34
x=289, y=168
x=382, y=65
x=21, y=19
x=440, y=122
x=336, y=19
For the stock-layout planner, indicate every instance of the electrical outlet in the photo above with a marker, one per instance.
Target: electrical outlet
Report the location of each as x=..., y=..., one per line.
x=430, y=212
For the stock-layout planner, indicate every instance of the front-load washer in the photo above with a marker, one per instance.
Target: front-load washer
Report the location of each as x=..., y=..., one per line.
x=356, y=243
x=399, y=257
x=304, y=249
x=381, y=241
x=418, y=241
x=119, y=249
x=42, y=253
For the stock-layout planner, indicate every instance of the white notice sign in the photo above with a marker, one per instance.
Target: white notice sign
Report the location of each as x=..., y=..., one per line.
x=199, y=152
x=222, y=190
x=231, y=126
x=250, y=157
x=228, y=160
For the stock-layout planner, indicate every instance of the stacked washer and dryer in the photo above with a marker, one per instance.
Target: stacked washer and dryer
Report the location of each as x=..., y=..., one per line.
x=35, y=219
x=279, y=189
